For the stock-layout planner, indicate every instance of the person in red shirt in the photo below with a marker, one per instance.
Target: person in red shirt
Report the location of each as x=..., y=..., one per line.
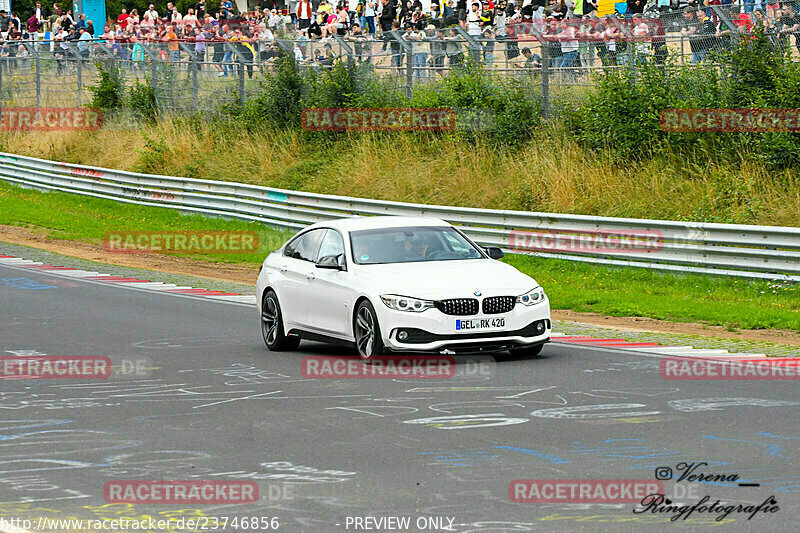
x=34, y=25
x=743, y=22
x=122, y=20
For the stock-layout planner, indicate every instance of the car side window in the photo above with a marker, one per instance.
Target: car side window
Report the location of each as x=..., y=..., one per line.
x=288, y=250
x=305, y=246
x=332, y=244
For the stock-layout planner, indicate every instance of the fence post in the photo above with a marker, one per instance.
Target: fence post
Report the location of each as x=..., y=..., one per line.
x=288, y=47
x=343, y=45
x=154, y=61
x=194, y=65
x=406, y=47
x=37, y=70
x=78, y=72
x=475, y=47
x=195, y=84
x=545, y=80
x=240, y=60
x=544, y=45
x=240, y=63
x=630, y=49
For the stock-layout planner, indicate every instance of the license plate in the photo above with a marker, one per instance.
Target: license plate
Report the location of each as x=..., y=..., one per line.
x=480, y=324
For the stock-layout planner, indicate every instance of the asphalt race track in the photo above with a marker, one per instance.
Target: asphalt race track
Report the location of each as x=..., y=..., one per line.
x=195, y=395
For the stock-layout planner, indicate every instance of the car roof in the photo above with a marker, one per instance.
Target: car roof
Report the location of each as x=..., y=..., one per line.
x=359, y=223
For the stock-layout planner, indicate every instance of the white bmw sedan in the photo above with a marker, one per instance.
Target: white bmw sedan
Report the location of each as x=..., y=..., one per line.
x=398, y=284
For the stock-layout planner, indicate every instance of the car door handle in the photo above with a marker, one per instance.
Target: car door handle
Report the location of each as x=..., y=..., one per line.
x=311, y=275
x=283, y=268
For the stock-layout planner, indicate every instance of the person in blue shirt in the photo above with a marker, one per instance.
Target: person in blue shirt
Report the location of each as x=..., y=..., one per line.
x=227, y=9
x=83, y=42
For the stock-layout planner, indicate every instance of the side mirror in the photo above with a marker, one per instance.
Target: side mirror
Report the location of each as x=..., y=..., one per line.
x=494, y=252
x=329, y=261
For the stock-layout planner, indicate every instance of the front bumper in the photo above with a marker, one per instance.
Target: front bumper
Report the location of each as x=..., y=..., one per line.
x=434, y=331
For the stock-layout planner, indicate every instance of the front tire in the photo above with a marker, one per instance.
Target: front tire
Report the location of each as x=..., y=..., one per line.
x=272, y=325
x=367, y=332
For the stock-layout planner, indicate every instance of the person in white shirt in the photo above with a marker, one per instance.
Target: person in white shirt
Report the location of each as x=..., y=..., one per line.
x=190, y=18
x=369, y=15
x=274, y=20
x=152, y=13
x=176, y=17
x=304, y=11
x=265, y=37
x=474, y=19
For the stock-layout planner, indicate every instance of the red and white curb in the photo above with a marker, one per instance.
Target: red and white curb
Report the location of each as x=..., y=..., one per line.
x=651, y=347
x=169, y=288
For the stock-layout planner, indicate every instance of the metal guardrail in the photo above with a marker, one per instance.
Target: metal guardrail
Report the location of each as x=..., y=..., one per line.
x=766, y=252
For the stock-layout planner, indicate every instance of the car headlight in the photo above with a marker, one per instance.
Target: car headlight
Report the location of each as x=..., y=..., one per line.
x=405, y=303
x=536, y=296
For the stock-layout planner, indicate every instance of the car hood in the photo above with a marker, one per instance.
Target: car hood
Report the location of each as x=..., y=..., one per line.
x=447, y=279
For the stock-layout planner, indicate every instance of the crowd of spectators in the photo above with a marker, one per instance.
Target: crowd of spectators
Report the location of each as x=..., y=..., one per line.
x=569, y=31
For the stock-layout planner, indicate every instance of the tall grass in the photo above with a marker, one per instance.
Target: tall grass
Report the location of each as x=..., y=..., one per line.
x=549, y=173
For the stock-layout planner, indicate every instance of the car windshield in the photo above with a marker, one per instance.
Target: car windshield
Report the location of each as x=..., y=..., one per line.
x=409, y=245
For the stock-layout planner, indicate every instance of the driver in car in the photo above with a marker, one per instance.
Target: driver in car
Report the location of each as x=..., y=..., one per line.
x=416, y=248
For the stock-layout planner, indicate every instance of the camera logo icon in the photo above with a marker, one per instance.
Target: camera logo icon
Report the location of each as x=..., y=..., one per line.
x=663, y=473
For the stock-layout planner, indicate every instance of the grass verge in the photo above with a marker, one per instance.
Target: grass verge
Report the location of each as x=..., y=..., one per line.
x=732, y=303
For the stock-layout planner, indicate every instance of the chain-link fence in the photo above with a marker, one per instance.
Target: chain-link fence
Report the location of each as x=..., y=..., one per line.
x=556, y=61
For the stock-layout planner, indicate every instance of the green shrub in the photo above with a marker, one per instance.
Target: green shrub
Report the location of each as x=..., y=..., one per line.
x=108, y=93
x=622, y=115
x=142, y=101
x=279, y=101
